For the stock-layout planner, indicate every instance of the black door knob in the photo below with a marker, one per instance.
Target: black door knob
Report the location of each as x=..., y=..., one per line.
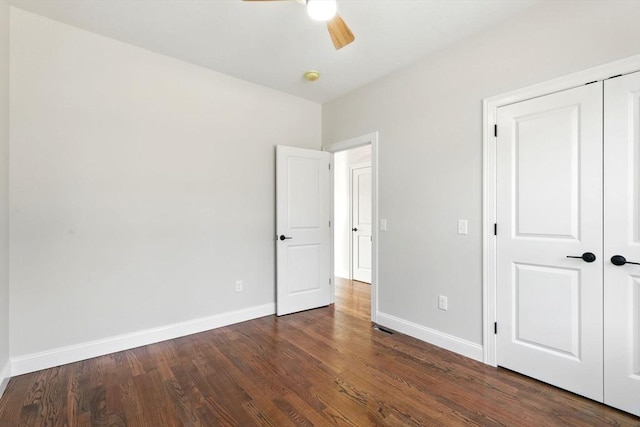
x=283, y=237
x=354, y=229
x=586, y=257
x=620, y=260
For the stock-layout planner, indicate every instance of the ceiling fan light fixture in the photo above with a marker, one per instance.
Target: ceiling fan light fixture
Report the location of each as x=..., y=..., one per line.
x=321, y=10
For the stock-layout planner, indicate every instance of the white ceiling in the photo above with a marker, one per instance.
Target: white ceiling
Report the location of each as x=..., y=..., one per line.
x=273, y=43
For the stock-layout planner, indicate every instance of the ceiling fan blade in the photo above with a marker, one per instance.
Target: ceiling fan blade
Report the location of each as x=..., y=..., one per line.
x=340, y=33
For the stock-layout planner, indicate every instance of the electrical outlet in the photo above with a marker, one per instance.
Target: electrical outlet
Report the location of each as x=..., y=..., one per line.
x=238, y=285
x=442, y=302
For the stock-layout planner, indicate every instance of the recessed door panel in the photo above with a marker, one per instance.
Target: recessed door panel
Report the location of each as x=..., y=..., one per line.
x=547, y=173
x=303, y=273
x=556, y=293
x=364, y=252
x=364, y=197
x=633, y=325
x=304, y=186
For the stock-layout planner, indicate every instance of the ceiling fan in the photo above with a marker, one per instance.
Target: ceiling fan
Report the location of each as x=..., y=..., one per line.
x=326, y=10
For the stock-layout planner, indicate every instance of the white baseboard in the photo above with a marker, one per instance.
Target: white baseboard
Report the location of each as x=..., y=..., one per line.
x=74, y=353
x=440, y=339
x=5, y=376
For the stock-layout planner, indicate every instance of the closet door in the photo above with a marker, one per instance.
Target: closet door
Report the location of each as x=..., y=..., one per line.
x=549, y=206
x=622, y=239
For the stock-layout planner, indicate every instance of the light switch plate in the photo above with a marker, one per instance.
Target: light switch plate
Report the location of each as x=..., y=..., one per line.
x=463, y=226
x=383, y=225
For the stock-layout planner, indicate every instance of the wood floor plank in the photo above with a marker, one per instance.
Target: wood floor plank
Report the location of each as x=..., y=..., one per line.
x=324, y=367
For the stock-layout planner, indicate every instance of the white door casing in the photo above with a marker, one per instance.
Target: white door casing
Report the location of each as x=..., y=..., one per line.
x=361, y=223
x=360, y=141
x=303, y=238
x=622, y=237
x=549, y=206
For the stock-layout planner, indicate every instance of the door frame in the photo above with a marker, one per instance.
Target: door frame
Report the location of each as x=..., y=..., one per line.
x=351, y=169
x=489, y=112
x=359, y=141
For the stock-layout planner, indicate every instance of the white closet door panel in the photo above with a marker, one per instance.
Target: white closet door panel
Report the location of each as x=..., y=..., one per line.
x=622, y=237
x=549, y=206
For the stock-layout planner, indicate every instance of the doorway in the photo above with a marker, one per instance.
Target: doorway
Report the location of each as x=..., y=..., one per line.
x=354, y=254
x=352, y=214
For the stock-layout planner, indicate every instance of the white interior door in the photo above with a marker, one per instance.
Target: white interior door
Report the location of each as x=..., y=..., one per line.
x=549, y=206
x=361, y=223
x=302, y=223
x=622, y=239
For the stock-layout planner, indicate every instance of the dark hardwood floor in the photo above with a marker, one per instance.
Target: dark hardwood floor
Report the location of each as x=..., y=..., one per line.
x=321, y=367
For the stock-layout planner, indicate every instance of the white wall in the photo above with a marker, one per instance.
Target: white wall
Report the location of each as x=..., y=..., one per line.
x=4, y=194
x=430, y=156
x=342, y=161
x=142, y=188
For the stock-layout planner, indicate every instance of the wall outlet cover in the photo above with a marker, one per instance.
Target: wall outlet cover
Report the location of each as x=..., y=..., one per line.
x=442, y=302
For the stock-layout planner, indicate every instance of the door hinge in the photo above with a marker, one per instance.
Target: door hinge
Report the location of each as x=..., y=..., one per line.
x=495, y=130
x=495, y=328
x=329, y=166
x=495, y=229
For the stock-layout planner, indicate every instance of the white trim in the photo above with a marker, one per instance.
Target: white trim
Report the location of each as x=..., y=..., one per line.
x=348, y=144
x=5, y=376
x=490, y=107
x=74, y=353
x=332, y=249
x=601, y=72
x=432, y=336
x=371, y=138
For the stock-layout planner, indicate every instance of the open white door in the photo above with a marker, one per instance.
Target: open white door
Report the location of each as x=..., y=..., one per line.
x=303, y=188
x=361, y=223
x=622, y=240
